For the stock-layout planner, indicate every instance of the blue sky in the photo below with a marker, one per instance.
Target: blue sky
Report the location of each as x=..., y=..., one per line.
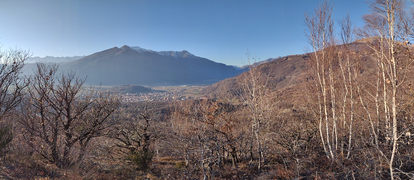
x=220, y=30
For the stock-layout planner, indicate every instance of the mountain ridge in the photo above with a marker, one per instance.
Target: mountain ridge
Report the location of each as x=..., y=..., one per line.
x=128, y=65
x=183, y=53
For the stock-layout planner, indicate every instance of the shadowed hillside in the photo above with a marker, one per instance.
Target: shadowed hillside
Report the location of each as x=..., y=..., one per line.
x=117, y=66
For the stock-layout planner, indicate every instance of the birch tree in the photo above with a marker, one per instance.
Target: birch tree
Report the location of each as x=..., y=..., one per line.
x=348, y=73
x=320, y=37
x=391, y=27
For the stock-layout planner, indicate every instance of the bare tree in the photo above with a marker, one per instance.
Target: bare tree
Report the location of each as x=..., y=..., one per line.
x=134, y=135
x=12, y=83
x=60, y=118
x=12, y=86
x=257, y=99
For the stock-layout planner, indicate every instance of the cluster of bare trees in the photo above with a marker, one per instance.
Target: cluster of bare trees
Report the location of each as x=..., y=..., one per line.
x=392, y=27
x=209, y=136
x=333, y=71
x=52, y=114
x=345, y=92
x=213, y=134
x=59, y=120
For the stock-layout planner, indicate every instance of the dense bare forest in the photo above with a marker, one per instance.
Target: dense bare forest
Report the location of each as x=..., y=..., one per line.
x=344, y=110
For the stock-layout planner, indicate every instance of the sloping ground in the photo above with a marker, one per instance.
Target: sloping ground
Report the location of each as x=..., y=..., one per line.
x=287, y=77
x=283, y=75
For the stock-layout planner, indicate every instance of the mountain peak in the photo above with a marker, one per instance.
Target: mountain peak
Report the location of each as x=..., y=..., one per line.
x=141, y=50
x=125, y=47
x=175, y=54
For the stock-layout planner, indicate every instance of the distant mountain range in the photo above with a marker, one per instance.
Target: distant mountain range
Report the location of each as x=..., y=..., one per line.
x=245, y=68
x=135, y=65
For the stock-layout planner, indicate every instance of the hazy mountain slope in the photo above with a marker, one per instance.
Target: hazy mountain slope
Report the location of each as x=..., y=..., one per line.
x=52, y=59
x=125, y=65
